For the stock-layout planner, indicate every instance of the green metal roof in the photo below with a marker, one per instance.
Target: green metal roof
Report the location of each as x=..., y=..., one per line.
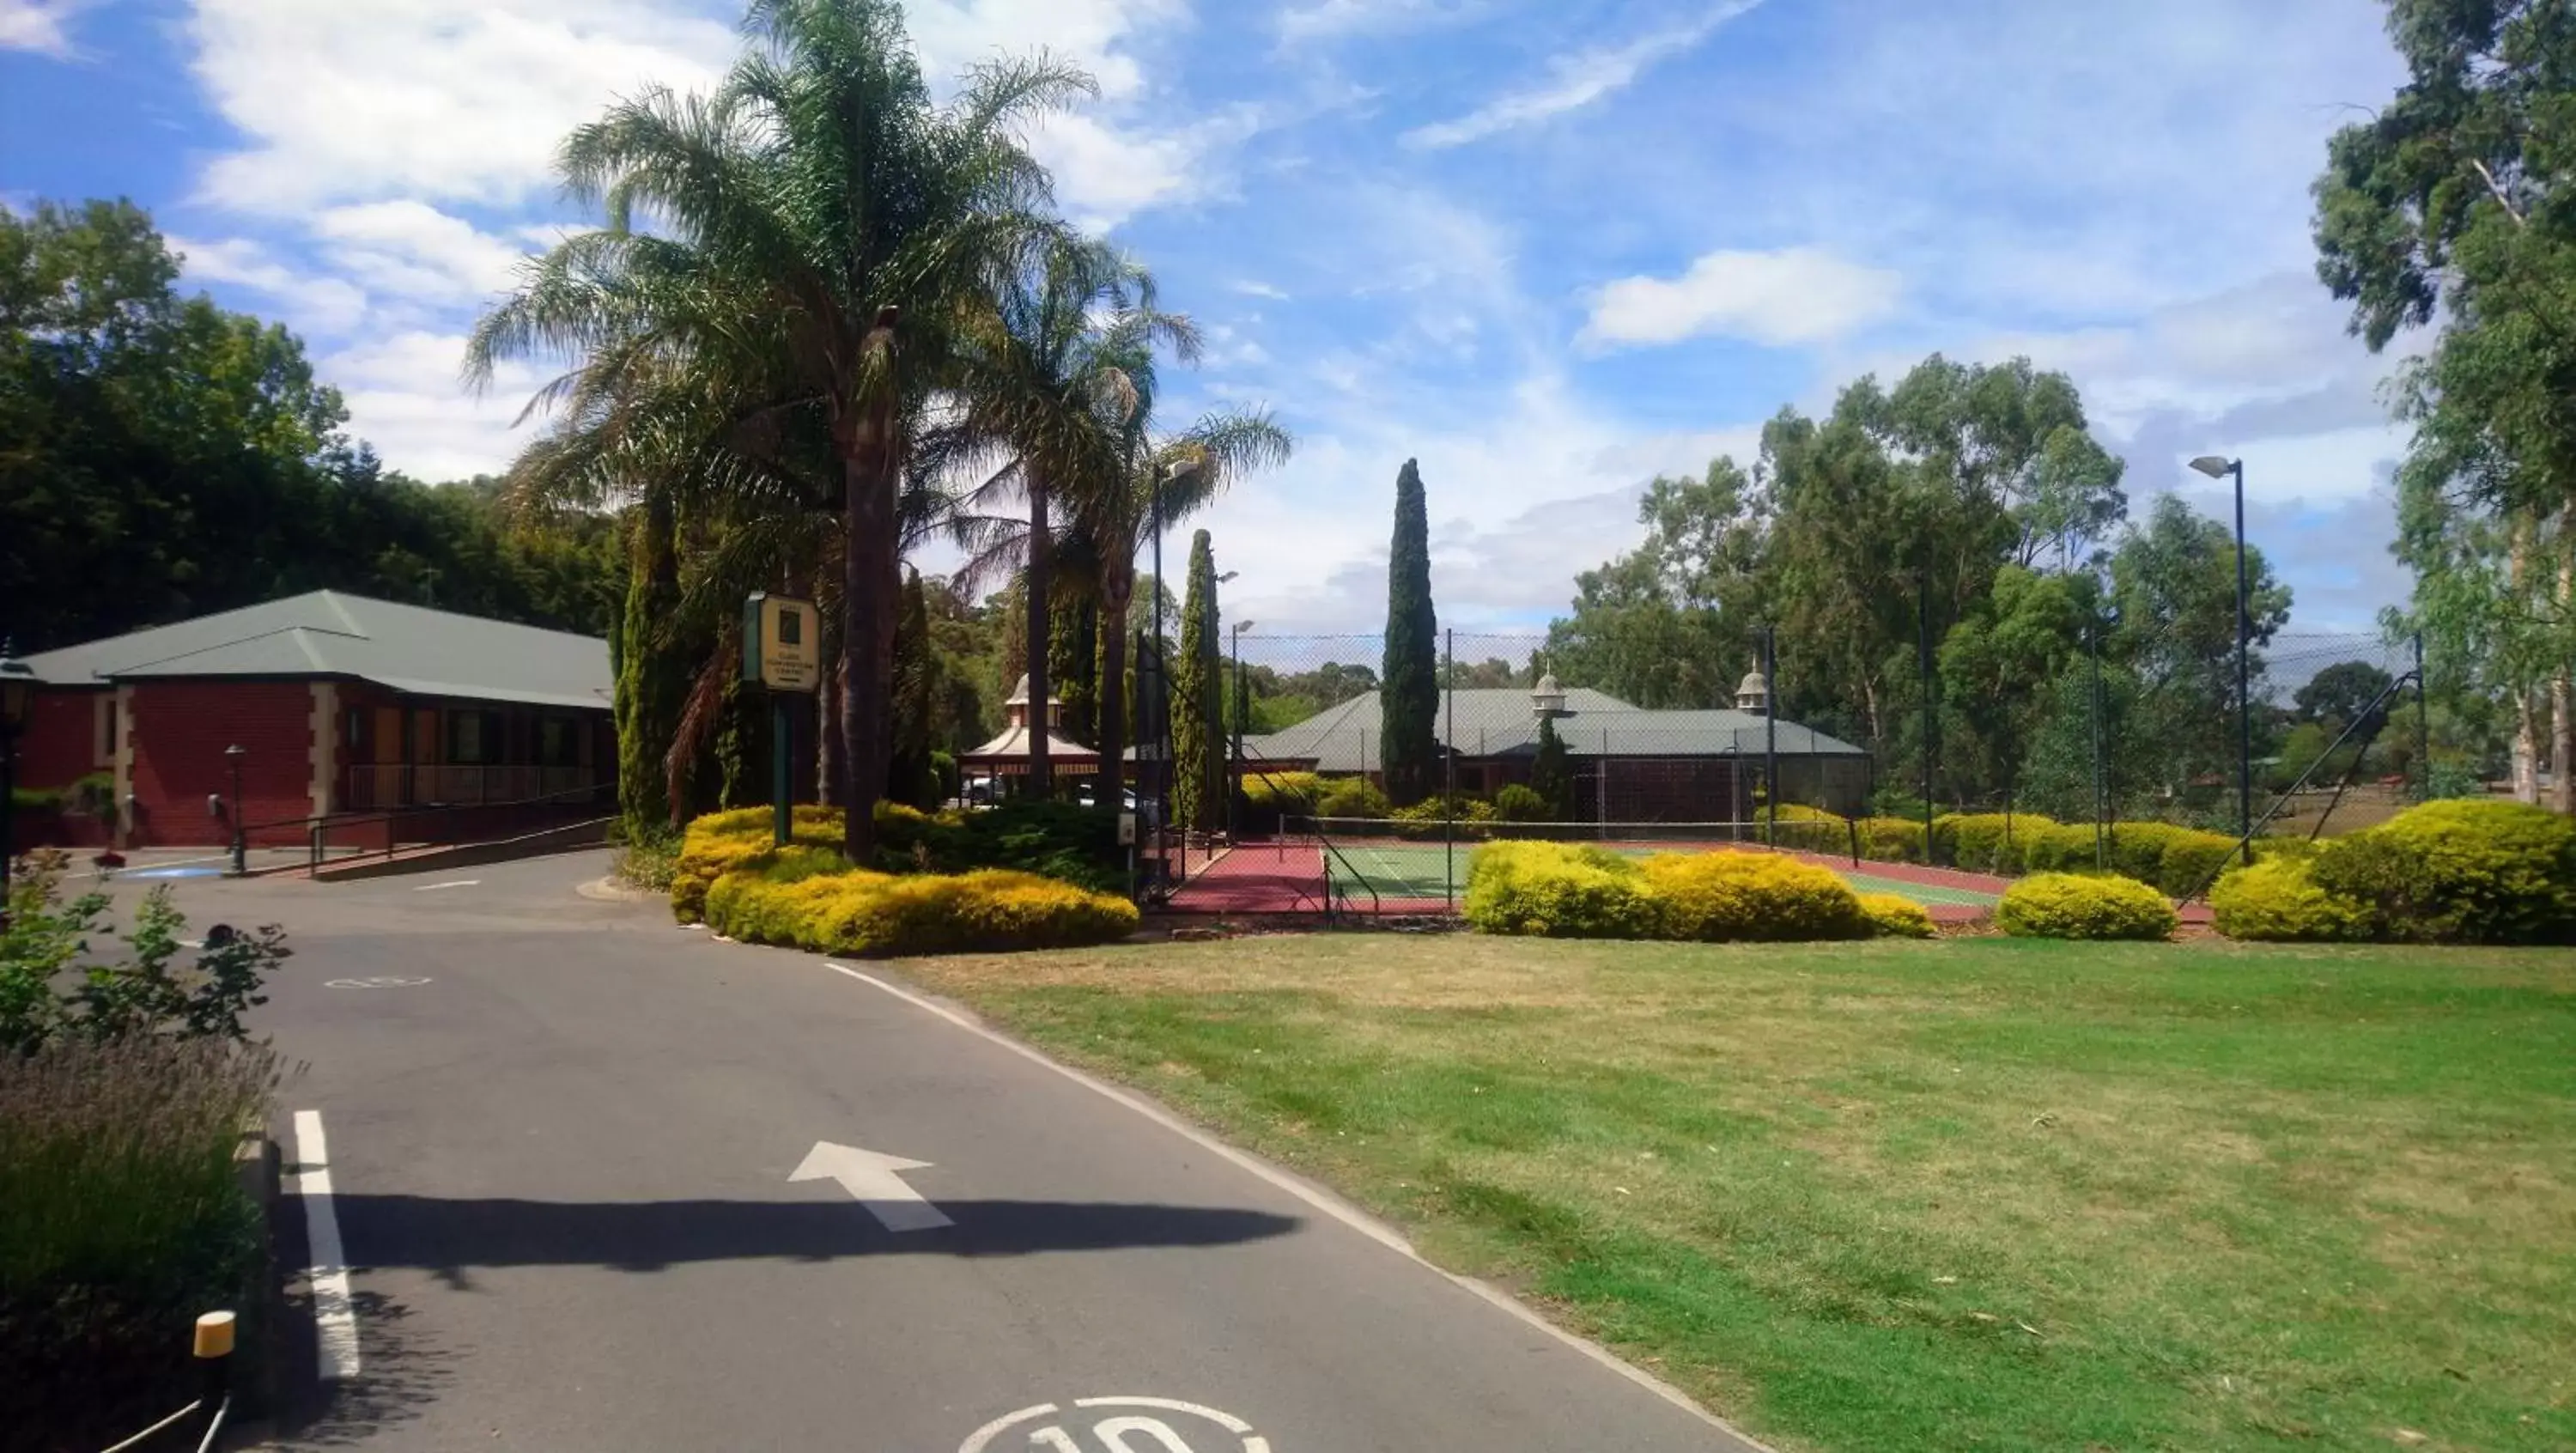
x=326, y=633
x=1498, y=722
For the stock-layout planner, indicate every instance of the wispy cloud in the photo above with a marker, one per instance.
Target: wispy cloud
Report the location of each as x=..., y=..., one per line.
x=1578, y=81
x=1331, y=19
x=42, y=26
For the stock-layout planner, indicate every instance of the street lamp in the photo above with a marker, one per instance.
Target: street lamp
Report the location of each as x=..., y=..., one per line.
x=17, y=698
x=241, y=845
x=2217, y=467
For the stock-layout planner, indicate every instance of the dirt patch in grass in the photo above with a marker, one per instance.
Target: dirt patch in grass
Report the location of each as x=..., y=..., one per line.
x=1967, y=1193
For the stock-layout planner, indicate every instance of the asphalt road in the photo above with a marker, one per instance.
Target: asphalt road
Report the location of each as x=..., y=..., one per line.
x=560, y=1140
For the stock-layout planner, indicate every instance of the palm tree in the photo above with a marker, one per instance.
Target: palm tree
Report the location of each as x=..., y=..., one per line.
x=798, y=255
x=1041, y=380
x=1162, y=480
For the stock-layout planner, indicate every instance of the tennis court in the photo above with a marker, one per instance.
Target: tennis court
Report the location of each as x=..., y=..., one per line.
x=1412, y=873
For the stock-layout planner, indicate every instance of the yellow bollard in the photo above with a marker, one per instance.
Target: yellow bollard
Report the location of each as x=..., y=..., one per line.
x=215, y=1334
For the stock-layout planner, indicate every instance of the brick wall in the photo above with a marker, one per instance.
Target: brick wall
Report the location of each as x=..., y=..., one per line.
x=180, y=730
x=61, y=738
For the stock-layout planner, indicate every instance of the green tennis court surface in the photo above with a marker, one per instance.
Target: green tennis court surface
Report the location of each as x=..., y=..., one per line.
x=1420, y=871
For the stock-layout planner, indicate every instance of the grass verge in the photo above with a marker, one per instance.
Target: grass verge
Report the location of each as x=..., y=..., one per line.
x=1971, y=1194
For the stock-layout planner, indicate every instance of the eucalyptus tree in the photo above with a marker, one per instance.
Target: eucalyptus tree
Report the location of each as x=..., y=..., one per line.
x=800, y=252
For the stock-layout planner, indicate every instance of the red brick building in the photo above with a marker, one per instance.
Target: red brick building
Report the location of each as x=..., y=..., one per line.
x=341, y=705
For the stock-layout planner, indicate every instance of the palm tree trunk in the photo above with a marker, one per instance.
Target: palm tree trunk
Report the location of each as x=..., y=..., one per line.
x=870, y=596
x=1117, y=585
x=1041, y=582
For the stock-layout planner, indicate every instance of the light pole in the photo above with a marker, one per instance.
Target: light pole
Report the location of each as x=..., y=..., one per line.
x=1242, y=709
x=241, y=845
x=2216, y=468
x=17, y=698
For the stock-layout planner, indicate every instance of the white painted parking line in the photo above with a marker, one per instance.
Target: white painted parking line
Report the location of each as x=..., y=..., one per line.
x=335, y=1321
x=459, y=883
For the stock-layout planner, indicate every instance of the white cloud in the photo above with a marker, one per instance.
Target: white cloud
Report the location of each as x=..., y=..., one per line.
x=414, y=250
x=1579, y=80
x=424, y=99
x=1796, y=295
x=42, y=26
x=406, y=397
x=311, y=302
x=1254, y=287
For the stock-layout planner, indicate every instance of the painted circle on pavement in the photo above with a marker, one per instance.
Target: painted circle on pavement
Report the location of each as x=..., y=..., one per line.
x=1120, y=1425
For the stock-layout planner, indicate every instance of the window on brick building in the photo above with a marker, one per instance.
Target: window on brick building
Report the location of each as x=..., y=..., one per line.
x=473, y=738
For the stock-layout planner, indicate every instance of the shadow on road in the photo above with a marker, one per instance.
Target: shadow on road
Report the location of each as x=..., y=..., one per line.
x=451, y=1237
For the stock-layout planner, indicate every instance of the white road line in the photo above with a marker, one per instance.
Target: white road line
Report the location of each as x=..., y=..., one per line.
x=1322, y=1200
x=335, y=1322
x=459, y=883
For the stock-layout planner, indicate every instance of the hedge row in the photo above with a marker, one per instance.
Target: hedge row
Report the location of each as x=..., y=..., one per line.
x=2445, y=872
x=809, y=898
x=1078, y=845
x=1568, y=890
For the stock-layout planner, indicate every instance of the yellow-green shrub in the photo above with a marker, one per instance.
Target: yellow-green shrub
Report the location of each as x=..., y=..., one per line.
x=1294, y=793
x=1558, y=890
x=2192, y=859
x=2065, y=847
x=2461, y=872
x=1891, y=916
x=883, y=914
x=2278, y=901
x=1891, y=839
x=2065, y=905
x=1725, y=897
x=720, y=842
x=1352, y=797
x=2138, y=848
x=1985, y=842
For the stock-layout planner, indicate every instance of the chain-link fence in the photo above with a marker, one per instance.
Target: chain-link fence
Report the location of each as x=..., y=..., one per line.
x=1371, y=795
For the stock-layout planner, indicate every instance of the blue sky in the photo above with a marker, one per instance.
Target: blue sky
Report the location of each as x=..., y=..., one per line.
x=1548, y=247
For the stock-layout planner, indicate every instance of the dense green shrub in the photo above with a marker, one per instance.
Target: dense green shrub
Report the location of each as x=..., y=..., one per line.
x=799, y=902
x=2138, y=848
x=1725, y=897
x=1434, y=818
x=1516, y=803
x=1559, y=890
x=1294, y=793
x=1891, y=916
x=1352, y=797
x=2460, y=872
x=1060, y=840
x=1985, y=842
x=2067, y=905
x=2065, y=847
x=2278, y=901
x=2191, y=860
x=66, y=972
x=1892, y=839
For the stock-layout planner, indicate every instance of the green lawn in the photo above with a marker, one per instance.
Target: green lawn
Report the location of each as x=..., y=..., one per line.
x=1977, y=1193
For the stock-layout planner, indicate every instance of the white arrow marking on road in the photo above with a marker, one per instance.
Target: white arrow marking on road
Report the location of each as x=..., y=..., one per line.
x=874, y=1181
x=459, y=883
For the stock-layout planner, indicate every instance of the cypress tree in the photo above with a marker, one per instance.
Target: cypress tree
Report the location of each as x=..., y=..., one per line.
x=1409, y=696
x=1073, y=660
x=1197, y=718
x=1551, y=775
x=910, y=777
x=651, y=685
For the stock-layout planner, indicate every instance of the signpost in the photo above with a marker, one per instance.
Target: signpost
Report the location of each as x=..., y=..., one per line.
x=782, y=650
